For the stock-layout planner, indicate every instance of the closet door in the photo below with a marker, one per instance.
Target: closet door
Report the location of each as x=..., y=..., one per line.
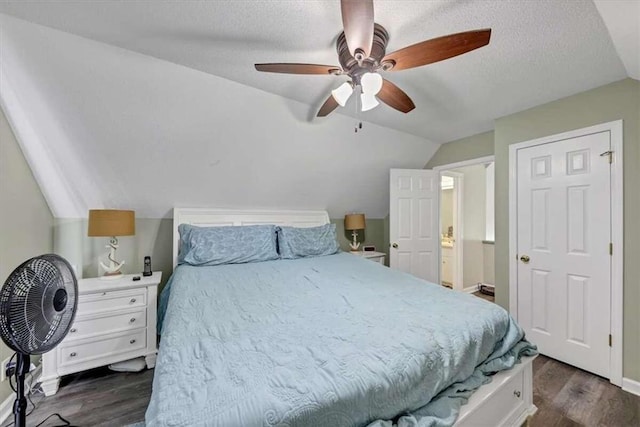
x=564, y=261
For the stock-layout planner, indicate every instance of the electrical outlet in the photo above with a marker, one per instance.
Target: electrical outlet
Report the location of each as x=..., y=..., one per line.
x=3, y=369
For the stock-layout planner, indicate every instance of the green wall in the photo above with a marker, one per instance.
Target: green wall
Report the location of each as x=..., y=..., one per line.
x=25, y=219
x=374, y=235
x=619, y=100
x=472, y=147
x=153, y=237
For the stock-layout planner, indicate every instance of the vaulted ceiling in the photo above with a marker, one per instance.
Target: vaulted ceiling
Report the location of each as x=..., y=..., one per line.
x=150, y=105
x=540, y=50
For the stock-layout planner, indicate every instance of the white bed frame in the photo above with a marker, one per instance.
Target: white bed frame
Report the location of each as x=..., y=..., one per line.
x=506, y=401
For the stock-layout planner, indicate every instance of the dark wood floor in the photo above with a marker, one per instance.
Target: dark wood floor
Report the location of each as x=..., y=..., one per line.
x=98, y=397
x=565, y=397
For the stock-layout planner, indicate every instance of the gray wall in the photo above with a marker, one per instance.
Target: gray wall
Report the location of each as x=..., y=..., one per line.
x=446, y=210
x=473, y=217
x=619, y=100
x=25, y=219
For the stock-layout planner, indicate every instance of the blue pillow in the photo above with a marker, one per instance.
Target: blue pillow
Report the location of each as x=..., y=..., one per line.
x=226, y=245
x=307, y=242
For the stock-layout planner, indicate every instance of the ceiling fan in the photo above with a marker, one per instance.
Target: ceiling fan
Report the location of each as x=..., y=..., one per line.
x=361, y=53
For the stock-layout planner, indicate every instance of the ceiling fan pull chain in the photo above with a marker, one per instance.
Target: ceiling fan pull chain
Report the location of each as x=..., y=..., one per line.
x=359, y=124
x=356, y=106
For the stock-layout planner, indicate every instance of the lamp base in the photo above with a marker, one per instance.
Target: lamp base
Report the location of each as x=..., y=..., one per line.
x=111, y=276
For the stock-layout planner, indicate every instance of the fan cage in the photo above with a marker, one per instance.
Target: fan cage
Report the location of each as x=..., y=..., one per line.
x=29, y=322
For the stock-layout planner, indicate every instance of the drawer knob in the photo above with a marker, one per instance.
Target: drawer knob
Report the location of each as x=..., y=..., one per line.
x=133, y=319
x=73, y=330
x=73, y=354
x=132, y=300
x=516, y=393
x=132, y=342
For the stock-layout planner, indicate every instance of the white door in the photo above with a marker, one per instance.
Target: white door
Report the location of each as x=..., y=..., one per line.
x=564, y=262
x=413, y=222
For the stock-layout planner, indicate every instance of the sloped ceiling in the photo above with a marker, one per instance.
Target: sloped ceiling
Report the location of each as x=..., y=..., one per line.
x=622, y=18
x=540, y=51
x=150, y=105
x=106, y=127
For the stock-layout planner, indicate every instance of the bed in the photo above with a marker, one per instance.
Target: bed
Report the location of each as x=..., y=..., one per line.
x=330, y=341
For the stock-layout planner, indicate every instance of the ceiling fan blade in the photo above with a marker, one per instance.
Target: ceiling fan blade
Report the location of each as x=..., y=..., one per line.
x=395, y=97
x=329, y=105
x=299, y=68
x=357, y=19
x=438, y=49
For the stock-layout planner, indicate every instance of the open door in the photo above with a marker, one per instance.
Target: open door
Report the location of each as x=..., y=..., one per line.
x=414, y=236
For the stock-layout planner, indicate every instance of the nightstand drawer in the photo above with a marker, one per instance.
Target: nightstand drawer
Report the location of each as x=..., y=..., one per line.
x=84, y=328
x=78, y=352
x=111, y=301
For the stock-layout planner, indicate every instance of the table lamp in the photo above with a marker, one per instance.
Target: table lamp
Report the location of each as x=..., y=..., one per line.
x=354, y=222
x=111, y=223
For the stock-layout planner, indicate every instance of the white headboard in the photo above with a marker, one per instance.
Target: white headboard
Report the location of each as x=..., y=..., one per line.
x=205, y=217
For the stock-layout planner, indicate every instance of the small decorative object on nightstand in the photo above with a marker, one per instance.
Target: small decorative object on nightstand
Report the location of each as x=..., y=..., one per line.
x=372, y=255
x=111, y=223
x=354, y=222
x=115, y=321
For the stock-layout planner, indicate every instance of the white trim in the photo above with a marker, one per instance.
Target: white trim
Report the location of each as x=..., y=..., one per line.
x=214, y=217
x=617, y=231
x=459, y=218
x=6, y=407
x=458, y=226
x=470, y=289
x=617, y=261
x=631, y=386
x=470, y=162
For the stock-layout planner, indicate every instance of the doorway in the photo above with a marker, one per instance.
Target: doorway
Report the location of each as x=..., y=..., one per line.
x=467, y=226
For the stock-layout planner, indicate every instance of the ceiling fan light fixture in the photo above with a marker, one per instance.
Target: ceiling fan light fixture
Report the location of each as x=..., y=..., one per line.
x=342, y=93
x=371, y=83
x=368, y=101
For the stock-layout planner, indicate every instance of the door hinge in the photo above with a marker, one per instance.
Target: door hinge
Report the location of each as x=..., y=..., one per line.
x=610, y=248
x=610, y=340
x=608, y=154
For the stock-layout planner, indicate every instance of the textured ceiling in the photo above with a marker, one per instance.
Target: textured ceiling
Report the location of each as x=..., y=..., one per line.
x=540, y=50
x=104, y=127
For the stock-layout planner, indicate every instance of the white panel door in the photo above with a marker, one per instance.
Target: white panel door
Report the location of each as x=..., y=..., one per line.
x=564, y=263
x=413, y=222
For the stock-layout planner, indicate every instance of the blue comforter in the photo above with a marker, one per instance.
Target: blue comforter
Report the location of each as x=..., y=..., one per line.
x=328, y=341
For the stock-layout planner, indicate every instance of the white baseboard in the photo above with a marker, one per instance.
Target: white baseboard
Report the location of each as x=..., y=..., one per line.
x=6, y=407
x=470, y=289
x=632, y=386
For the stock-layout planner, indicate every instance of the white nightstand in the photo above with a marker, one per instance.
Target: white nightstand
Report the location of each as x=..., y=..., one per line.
x=373, y=256
x=115, y=321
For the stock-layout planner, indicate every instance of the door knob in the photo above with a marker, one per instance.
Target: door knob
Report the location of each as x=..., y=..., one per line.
x=525, y=259
x=394, y=246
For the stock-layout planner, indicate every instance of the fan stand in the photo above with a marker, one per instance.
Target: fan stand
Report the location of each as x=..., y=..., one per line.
x=20, y=404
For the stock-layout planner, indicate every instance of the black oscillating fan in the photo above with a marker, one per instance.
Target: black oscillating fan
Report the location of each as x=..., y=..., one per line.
x=37, y=306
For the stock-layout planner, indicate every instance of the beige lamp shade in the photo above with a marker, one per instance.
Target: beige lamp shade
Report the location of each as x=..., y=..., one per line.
x=111, y=222
x=354, y=222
